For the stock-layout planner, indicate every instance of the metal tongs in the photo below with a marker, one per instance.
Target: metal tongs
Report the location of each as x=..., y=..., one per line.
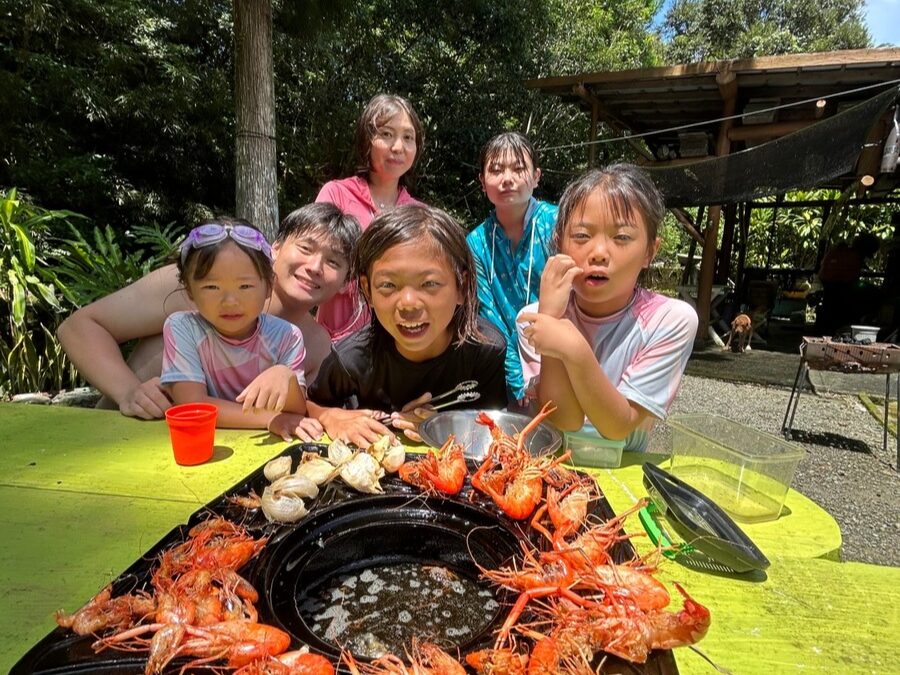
x=465, y=393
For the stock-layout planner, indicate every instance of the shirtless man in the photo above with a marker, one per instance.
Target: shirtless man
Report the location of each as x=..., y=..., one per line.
x=312, y=254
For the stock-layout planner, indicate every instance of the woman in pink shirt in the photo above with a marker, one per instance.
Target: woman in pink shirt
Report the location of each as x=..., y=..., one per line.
x=388, y=143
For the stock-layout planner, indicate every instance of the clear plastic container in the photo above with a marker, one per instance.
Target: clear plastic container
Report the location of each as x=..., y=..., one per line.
x=864, y=333
x=590, y=449
x=744, y=471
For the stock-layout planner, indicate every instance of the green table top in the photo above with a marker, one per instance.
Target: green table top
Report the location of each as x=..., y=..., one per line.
x=809, y=615
x=61, y=548
x=102, y=452
x=84, y=493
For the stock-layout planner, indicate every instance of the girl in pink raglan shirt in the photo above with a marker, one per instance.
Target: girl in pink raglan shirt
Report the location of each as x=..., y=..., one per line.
x=388, y=143
x=229, y=352
x=597, y=344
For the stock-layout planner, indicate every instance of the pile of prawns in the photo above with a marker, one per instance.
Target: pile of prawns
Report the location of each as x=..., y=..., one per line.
x=584, y=603
x=200, y=608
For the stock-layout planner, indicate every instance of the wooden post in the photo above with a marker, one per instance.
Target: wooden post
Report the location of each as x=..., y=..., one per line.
x=689, y=264
x=742, y=249
x=823, y=239
x=599, y=113
x=727, y=82
x=868, y=164
x=256, y=181
x=773, y=230
x=723, y=268
x=688, y=225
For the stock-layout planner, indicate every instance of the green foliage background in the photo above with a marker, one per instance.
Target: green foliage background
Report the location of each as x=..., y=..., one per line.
x=123, y=110
x=706, y=30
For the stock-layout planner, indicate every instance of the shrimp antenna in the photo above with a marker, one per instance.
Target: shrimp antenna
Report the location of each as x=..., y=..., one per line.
x=705, y=657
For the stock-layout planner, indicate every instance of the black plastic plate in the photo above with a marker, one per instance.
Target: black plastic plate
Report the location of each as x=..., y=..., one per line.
x=702, y=523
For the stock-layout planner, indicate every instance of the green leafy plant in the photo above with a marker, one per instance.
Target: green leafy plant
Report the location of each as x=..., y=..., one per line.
x=29, y=294
x=43, y=277
x=93, y=267
x=792, y=236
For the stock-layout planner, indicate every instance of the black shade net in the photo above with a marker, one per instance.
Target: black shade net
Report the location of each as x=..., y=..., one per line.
x=802, y=160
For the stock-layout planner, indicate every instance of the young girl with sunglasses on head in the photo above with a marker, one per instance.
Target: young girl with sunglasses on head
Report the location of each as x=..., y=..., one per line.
x=416, y=271
x=596, y=343
x=229, y=352
x=388, y=143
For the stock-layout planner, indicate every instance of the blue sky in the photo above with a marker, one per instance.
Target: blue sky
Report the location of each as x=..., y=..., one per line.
x=882, y=19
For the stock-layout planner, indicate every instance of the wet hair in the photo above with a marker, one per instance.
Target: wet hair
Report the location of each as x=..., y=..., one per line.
x=323, y=220
x=509, y=142
x=414, y=223
x=628, y=191
x=199, y=261
x=377, y=112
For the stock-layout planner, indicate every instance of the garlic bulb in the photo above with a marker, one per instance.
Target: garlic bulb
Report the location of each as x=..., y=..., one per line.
x=296, y=486
x=339, y=452
x=393, y=457
x=278, y=467
x=282, y=507
x=315, y=467
x=362, y=473
x=379, y=447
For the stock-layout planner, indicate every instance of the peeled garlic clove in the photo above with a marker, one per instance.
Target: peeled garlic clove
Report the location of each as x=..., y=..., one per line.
x=339, y=452
x=296, y=486
x=280, y=507
x=394, y=457
x=379, y=447
x=362, y=473
x=278, y=467
x=315, y=467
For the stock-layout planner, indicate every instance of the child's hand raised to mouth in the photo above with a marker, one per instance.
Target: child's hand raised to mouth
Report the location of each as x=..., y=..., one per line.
x=556, y=285
x=556, y=338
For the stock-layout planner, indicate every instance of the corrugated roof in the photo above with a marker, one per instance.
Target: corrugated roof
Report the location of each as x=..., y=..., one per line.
x=651, y=98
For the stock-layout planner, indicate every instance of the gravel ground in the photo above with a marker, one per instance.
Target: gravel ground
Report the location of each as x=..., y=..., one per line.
x=845, y=469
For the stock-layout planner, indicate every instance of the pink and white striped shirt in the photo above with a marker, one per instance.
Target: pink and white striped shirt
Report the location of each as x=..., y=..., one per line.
x=643, y=349
x=196, y=352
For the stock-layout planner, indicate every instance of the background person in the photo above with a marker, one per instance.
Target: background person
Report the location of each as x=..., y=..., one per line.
x=511, y=247
x=387, y=145
x=840, y=273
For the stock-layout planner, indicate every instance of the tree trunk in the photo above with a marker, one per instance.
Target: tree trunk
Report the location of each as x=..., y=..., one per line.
x=256, y=185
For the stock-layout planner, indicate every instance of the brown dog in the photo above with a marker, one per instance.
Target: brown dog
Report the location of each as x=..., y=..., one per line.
x=742, y=327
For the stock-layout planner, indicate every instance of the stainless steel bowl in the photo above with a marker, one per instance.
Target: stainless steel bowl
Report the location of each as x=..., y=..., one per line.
x=476, y=438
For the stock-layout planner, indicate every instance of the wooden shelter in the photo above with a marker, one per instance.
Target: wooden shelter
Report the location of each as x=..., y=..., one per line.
x=685, y=114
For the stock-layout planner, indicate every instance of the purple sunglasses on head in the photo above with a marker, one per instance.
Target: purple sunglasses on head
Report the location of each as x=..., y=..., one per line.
x=212, y=233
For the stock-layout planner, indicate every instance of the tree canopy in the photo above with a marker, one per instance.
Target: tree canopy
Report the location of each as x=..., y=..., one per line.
x=121, y=110
x=704, y=30
x=124, y=110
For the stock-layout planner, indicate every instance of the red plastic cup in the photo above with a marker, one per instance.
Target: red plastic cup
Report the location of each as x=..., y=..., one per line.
x=192, y=427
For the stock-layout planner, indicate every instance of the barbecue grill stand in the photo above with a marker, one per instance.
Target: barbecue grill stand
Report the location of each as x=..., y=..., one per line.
x=823, y=354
